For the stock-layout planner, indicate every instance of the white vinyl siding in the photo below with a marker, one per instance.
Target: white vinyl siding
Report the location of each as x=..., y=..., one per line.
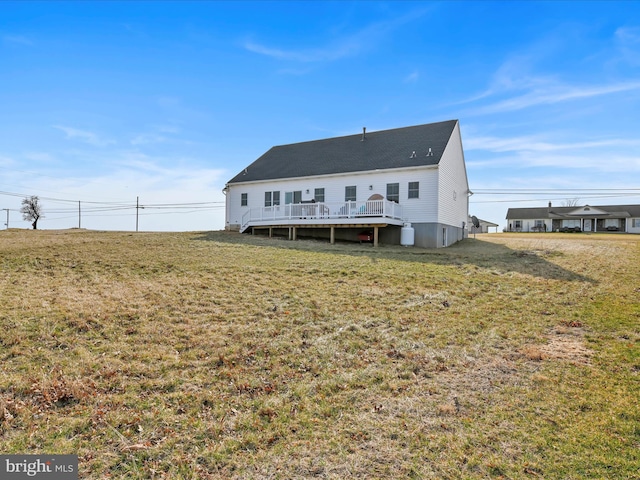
x=453, y=188
x=421, y=210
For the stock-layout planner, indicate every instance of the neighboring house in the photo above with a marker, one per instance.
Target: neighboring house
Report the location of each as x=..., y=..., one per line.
x=373, y=182
x=602, y=218
x=483, y=226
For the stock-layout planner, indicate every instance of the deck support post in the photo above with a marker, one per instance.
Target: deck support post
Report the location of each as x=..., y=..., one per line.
x=375, y=236
x=333, y=235
x=294, y=233
x=270, y=232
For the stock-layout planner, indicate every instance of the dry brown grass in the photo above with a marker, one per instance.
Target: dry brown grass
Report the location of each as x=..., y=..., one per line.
x=216, y=355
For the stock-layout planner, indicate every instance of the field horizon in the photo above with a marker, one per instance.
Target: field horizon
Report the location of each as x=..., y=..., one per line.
x=210, y=355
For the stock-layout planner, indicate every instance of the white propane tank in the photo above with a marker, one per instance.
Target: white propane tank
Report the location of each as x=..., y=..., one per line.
x=407, y=235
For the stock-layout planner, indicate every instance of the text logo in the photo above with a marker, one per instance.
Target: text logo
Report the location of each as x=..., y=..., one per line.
x=46, y=467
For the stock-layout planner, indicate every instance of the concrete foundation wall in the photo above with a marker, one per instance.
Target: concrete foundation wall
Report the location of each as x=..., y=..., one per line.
x=436, y=235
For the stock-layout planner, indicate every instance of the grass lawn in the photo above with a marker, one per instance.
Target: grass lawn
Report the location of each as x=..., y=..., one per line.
x=218, y=355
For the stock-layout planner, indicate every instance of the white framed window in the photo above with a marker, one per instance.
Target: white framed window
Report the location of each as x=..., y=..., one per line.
x=414, y=189
x=393, y=192
x=271, y=199
x=292, y=197
x=244, y=199
x=350, y=193
x=318, y=195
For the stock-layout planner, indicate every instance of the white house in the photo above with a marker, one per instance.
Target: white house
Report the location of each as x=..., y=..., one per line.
x=373, y=182
x=602, y=218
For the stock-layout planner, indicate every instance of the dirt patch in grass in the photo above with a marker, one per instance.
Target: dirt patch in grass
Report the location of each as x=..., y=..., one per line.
x=567, y=343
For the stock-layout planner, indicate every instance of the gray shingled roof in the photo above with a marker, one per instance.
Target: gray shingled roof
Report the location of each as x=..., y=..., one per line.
x=536, y=213
x=383, y=149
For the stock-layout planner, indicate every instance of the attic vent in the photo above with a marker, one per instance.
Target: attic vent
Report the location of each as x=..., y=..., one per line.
x=413, y=154
x=364, y=131
x=429, y=153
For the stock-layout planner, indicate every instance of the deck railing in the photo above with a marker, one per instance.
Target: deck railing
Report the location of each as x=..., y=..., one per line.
x=323, y=212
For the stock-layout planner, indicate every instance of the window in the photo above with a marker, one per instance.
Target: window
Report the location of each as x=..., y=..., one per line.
x=571, y=223
x=393, y=192
x=517, y=224
x=539, y=223
x=292, y=197
x=414, y=189
x=636, y=222
x=318, y=195
x=350, y=194
x=271, y=199
x=244, y=199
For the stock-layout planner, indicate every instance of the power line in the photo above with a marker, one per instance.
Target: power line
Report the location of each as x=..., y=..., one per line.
x=546, y=191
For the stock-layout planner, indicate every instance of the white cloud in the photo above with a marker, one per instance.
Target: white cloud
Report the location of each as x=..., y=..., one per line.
x=534, y=144
x=552, y=95
x=346, y=48
x=117, y=191
x=628, y=39
x=43, y=157
x=628, y=35
x=168, y=129
x=6, y=161
x=148, y=138
x=18, y=39
x=84, y=136
x=343, y=47
x=412, y=77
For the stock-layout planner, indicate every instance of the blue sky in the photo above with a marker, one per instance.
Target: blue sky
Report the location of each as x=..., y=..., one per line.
x=104, y=102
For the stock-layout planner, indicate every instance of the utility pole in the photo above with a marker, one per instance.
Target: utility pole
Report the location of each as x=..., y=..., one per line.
x=7, y=224
x=137, y=208
x=79, y=214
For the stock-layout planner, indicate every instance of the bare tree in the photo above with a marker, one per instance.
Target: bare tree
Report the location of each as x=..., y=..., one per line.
x=570, y=202
x=32, y=210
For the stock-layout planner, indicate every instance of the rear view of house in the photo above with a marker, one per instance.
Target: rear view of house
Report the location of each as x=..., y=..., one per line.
x=371, y=182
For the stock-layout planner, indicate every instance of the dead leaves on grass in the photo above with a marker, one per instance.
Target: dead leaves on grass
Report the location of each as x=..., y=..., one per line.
x=55, y=389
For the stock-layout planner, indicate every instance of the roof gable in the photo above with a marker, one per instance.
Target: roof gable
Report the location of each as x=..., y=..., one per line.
x=420, y=145
x=586, y=210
